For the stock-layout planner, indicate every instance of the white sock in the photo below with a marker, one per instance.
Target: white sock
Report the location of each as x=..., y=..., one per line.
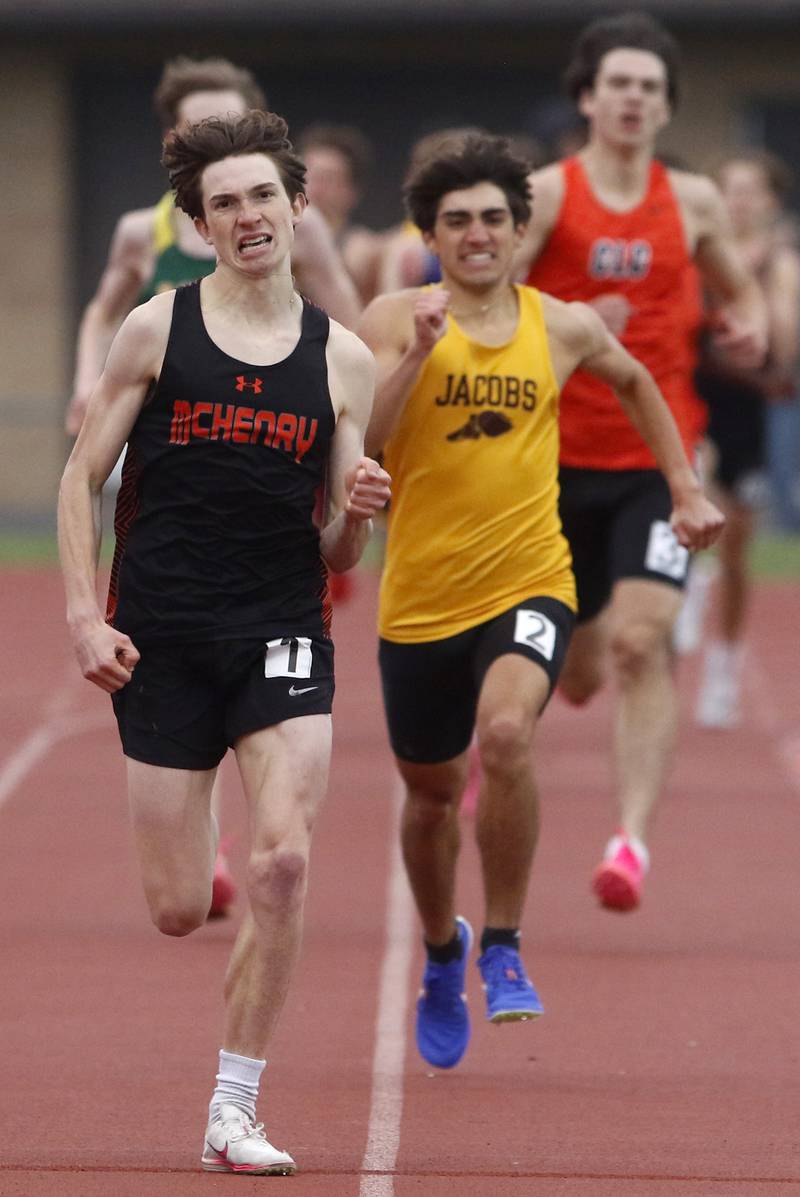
x=237, y=1082
x=722, y=671
x=727, y=656
x=637, y=846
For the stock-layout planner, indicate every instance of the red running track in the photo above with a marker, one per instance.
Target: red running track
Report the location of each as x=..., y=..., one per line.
x=667, y=1064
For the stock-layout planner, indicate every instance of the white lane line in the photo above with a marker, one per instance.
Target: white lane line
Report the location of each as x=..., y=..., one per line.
x=38, y=742
x=37, y=745
x=386, y=1102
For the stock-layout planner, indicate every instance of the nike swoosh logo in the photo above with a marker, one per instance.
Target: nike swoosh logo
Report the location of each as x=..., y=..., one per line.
x=293, y=693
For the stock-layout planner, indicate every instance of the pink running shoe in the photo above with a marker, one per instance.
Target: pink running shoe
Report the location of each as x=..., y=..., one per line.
x=617, y=882
x=223, y=887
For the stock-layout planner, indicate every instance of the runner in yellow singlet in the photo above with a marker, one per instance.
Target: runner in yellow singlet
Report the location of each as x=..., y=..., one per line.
x=477, y=599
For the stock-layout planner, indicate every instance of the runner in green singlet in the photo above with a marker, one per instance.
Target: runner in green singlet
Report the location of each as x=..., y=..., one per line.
x=173, y=264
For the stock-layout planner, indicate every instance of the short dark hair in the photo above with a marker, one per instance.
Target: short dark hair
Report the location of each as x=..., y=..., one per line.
x=625, y=31
x=346, y=140
x=183, y=76
x=186, y=154
x=478, y=158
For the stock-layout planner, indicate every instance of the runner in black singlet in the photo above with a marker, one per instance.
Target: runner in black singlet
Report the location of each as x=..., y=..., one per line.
x=223, y=466
x=157, y=248
x=238, y=400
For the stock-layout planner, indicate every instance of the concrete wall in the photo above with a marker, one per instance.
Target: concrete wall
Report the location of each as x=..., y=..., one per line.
x=34, y=315
x=726, y=80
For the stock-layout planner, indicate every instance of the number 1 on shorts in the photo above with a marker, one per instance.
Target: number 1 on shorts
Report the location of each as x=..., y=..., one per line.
x=288, y=657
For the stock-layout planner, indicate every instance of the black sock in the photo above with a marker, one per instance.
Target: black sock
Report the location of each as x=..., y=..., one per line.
x=507, y=936
x=445, y=952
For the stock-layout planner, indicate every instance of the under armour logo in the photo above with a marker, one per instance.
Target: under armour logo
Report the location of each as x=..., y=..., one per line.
x=255, y=385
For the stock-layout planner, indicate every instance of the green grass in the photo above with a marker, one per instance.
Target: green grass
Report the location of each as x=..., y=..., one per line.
x=772, y=556
x=776, y=557
x=18, y=548
x=38, y=548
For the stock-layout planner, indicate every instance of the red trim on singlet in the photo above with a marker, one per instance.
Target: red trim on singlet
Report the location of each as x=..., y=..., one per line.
x=641, y=254
x=125, y=513
x=326, y=598
x=325, y=594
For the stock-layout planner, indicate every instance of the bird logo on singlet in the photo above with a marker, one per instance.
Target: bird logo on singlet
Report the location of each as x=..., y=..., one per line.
x=487, y=423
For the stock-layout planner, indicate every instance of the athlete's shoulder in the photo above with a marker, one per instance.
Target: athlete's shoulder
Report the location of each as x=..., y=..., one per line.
x=387, y=317
x=695, y=191
x=548, y=186
x=351, y=373
x=394, y=301
x=139, y=347
x=573, y=323
x=547, y=192
x=548, y=178
x=151, y=319
x=348, y=350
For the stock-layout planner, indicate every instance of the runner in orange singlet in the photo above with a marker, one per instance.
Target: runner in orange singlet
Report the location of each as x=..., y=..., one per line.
x=614, y=227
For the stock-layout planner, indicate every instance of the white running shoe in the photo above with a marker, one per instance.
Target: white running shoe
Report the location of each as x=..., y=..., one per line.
x=235, y=1143
x=718, y=698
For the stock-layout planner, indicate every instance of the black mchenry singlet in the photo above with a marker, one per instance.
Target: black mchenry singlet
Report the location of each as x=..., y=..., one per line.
x=214, y=518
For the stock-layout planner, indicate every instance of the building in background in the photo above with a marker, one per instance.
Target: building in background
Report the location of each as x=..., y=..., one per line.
x=80, y=143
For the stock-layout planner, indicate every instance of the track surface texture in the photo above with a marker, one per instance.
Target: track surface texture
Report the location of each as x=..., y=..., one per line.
x=668, y=1062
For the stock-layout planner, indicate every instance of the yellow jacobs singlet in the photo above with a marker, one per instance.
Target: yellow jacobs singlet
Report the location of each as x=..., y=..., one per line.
x=474, y=525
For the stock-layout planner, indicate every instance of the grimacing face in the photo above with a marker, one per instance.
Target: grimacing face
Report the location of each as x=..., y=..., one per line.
x=474, y=234
x=247, y=214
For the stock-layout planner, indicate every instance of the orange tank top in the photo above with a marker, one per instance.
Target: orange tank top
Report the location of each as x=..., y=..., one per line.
x=641, y=254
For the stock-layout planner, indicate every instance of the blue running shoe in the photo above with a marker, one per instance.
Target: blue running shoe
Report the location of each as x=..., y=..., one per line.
x=510, y=997
x=442, y=1014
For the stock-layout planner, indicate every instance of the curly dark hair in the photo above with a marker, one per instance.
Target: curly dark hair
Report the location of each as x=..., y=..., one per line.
x=625, y=31
x=182, y=76
x=476, y=158
x=186, y=154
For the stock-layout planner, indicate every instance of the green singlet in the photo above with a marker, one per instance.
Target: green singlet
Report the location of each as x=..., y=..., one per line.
x=172, y=266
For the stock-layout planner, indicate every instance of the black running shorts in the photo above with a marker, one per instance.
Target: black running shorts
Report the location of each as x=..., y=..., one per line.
x=736, y=426
x=617, y=525
x=186, y=704
x=430, y=690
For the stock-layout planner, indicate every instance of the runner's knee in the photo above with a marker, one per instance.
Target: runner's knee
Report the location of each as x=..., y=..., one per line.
x=277, y=878
x=504, y=741
x=638, y=646
x=429, y=806
x=178, y=918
